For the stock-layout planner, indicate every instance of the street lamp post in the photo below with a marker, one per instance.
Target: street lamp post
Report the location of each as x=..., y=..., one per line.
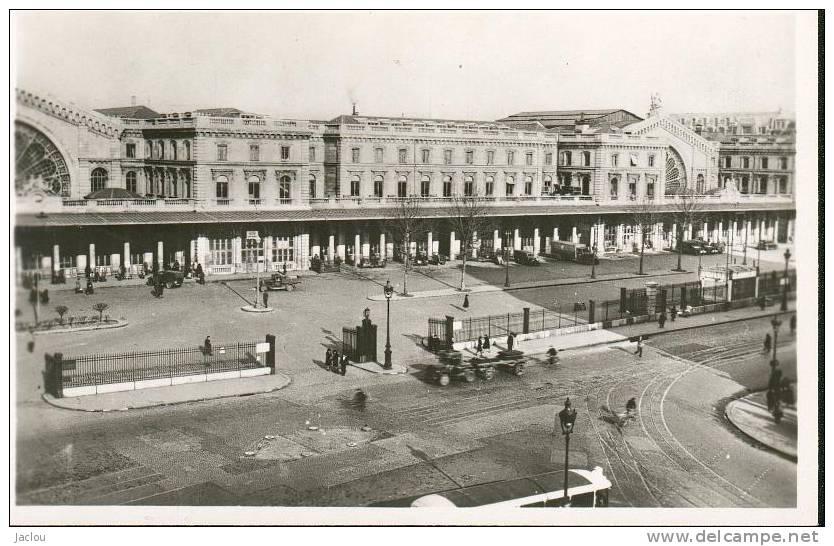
x=389, y=291
x=594, y=262
x=785, y=281
x=776, y=323
x=507, y=267
x=746, y=226
x=567, y=419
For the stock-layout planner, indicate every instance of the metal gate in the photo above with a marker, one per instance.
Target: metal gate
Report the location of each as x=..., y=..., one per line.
x=350, y=343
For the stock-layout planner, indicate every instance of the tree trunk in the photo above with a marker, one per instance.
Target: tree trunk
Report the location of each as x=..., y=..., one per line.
x=680, y=249
x=463, y=273
x=642, y=248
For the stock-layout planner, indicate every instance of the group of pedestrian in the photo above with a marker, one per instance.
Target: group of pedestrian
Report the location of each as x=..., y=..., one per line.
x=335, y=362
x=483, y=346
x=198, y=273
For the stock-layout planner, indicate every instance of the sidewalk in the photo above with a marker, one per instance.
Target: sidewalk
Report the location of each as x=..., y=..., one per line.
x=751, y=416
x=538, y=345
x=178, y=394
x=481, y=288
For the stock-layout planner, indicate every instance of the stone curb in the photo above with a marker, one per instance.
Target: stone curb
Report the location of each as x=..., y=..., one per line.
x=120, y=323
x=52, y=401
x=785, y=447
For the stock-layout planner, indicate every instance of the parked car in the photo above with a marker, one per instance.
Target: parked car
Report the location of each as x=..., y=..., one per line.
x=766, y=245
x=279, y=281
x=525, y=257
x=171, y=279
x=714, y=248
x=375, y=260
x=438, y=259
x=421, y=258
x=693, y=246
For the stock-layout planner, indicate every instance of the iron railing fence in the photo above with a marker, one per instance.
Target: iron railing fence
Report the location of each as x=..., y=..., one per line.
x=102, y=369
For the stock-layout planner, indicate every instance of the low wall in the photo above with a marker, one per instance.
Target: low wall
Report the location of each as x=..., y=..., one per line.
x=163, y=382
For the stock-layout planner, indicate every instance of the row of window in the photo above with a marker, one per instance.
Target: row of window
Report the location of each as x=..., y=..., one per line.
x=280, y=250
x=745, y=162
x=169, y=187
x=255, y=152
x=447, y=186
x=448, y=156
x=221, y=185
x=160, y=149
x=760, y=185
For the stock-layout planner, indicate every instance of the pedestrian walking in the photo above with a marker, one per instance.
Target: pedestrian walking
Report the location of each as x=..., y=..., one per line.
x=201, y=277
x=639, y=351
x=510, y=341
x=767, y=341
x=343, y=365
x=334, y=361
x=78, y=289
x=661, y=320
x=487, y=345
x=266, y=299
x=89, y=291
x=479, y=348
x=673, y=313
x=327, y=356
x=793, y=325
x=466, y=301
x=207, y=346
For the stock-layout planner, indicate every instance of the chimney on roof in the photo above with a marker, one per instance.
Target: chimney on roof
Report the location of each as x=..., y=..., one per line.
x=133, y=100
x=355, y=111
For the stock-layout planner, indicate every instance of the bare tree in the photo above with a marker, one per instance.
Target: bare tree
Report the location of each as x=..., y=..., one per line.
x=468, y=216
x=645, y=216
x=406, y=222
x=101, y=308
x=61, y=310
x=687, y=209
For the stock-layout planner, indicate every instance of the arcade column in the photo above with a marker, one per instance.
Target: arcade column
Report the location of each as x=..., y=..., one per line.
x=126, y=255
x=92, y=255
x=536, y=242
x=56, y=258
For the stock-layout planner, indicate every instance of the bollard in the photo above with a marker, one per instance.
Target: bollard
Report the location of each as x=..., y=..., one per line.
x=591, y=311
x=270, y=355
x=525, y=329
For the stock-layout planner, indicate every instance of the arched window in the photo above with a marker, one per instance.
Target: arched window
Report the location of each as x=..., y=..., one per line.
x=402, y=186
x=148, y=149
x=489, y=185
x=425, y=186
x=187, y=150
x=159, y=152
x=186, y=185
x=547, y=185
x=447, y=186
x=528, y=185
x=312, y=187
x=699, y=181
x=566, y=158
x=468, y=185
x=354, y=186
x=510, y=185
x=254, y=187
x=98, y=179
x=173, y=146
x=222, y=187
x=378, y=182
x=586, y=159
x=130, y=182
x=614, y=188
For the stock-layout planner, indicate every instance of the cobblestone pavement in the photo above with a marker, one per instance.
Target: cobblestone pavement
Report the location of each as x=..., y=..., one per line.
x=414, y=437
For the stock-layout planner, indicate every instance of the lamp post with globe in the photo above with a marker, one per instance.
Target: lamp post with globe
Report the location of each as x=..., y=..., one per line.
x=567, y=420
x=785, y=281
x=388, y=291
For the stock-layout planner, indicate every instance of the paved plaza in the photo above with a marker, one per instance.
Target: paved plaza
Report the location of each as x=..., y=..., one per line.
x=412, y=436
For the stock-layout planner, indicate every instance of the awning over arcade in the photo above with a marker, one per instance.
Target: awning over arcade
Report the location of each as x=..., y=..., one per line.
x=339, y=214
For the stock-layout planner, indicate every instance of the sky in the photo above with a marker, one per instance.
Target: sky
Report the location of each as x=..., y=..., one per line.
x=457, y=65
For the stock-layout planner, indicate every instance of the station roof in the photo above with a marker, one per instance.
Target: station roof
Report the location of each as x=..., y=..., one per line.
x=563, y=121
x=129, y=112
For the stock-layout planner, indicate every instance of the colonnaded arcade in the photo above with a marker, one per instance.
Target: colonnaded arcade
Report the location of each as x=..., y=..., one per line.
x=129, y=186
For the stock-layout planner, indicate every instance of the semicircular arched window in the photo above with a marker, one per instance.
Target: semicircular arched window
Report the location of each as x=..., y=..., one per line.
x=98, y=179
x=378, y=183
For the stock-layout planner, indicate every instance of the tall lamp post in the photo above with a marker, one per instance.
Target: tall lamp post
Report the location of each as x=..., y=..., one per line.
x=389, y=291
x=776, y=323
x=785, y=282
x=594, y=262
x=746, y=229
x=567, y=419
x=507, y=267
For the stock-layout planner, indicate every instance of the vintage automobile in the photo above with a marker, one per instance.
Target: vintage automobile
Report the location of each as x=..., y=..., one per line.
x=421, y=258
x=452, y=366
x=438, y=259
x=714, y=248
x=693, y=246
x=509, y=361
x=525, y=257
x=375, y=260
x=169, y=278
x=766, y=245
x=279, y=281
